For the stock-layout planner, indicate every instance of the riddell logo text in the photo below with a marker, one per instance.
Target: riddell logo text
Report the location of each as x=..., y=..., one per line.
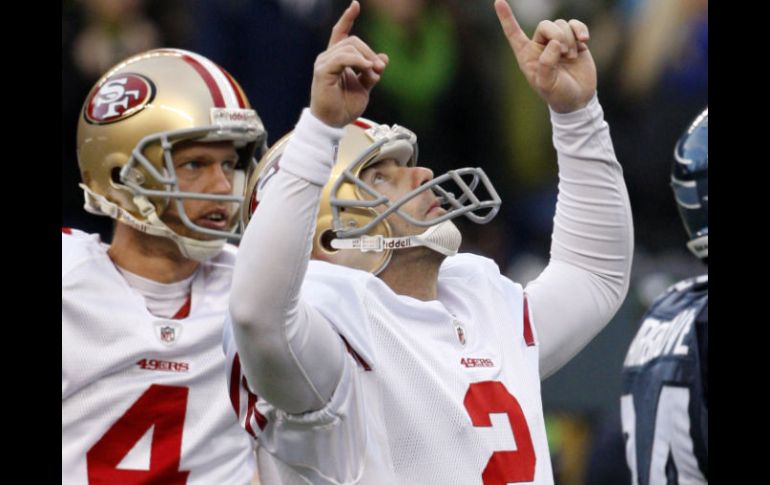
x=397, y=244
x=164, y=365
x=471, y=362
x=239, y=117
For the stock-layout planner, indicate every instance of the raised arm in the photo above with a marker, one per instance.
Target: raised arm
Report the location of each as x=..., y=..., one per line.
x=290, y=354
x=588, y=274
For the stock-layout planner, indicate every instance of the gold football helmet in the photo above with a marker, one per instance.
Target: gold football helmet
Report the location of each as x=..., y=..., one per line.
x=129, y=123
x=349, y=227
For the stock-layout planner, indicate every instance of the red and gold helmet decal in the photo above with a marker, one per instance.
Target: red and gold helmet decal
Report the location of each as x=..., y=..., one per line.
x=118, y=97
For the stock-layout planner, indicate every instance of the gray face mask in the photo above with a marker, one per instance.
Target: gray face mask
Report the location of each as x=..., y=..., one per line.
x=467, y=180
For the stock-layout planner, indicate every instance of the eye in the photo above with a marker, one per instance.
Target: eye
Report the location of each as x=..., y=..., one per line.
x=191, y=165
x=377, y=173
x=228, y=165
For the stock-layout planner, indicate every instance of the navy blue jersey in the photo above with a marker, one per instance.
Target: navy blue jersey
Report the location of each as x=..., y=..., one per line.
x=664, y=406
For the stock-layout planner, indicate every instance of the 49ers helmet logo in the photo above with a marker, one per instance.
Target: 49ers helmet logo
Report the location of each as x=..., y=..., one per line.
x=119, y=97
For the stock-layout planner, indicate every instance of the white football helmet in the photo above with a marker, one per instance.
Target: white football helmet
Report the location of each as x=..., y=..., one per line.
x=129, y=123
x=348, y=225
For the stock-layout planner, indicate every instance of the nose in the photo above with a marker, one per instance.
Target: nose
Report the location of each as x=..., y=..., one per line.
x=421, y=175
x=220, y=179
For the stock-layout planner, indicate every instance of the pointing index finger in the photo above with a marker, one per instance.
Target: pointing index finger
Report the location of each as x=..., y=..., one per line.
x=345, y=23
x=516, y=37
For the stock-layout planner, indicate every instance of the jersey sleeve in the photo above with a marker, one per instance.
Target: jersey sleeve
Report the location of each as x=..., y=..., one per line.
x=588, y=273
x=76, y=247
x=305, y=442
x=289, y=352
x=339, y=428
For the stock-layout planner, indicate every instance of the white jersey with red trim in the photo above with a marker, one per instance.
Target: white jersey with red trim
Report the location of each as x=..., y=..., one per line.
x=473, y=415
x=445, y=391
x=143, y=399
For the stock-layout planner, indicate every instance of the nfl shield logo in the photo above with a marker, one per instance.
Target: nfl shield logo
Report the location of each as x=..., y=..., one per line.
x=460, y=332
x=167, y=334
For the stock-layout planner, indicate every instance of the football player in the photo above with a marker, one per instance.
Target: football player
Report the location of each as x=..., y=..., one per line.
x=664, y=407
x=164, y=140
x=390, y=358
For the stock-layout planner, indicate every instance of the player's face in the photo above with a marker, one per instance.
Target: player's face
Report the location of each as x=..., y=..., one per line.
x=394, y=181
x=206, y=168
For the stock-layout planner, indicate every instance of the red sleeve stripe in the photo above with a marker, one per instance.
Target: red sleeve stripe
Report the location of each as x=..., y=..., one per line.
x=355, y=355
x=528, y=338
x=235, y=393
x=66, y=230
x=184, y=311
x=261, y=419
x=235, y=380
x=252, y=409
x=249, y=409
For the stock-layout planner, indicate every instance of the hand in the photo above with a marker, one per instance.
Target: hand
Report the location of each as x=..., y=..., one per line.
x=344, y=74
x=556, y=62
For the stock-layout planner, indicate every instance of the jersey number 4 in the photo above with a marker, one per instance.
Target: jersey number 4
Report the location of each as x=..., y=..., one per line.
x=485, y=398
x=161, y=406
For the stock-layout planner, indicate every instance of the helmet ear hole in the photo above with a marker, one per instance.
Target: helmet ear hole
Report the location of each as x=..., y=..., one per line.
x=326, y=241
x=115, y=175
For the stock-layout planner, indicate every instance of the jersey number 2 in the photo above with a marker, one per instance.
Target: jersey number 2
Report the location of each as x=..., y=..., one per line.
x=484, y=398
x=161, y=406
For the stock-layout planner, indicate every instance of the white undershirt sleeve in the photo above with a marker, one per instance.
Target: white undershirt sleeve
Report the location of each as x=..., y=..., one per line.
x=289, y=352
x=588, y=274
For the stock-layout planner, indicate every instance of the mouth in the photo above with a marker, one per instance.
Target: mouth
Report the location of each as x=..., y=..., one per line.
x=217, y=219
x=435, y=208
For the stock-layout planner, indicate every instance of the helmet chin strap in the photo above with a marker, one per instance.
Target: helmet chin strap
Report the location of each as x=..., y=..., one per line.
x=444, y=238
x=188, y=247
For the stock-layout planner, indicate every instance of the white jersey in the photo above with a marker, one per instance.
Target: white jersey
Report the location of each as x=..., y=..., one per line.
x=474, y=413
x=417, y=392
x=143, y=398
